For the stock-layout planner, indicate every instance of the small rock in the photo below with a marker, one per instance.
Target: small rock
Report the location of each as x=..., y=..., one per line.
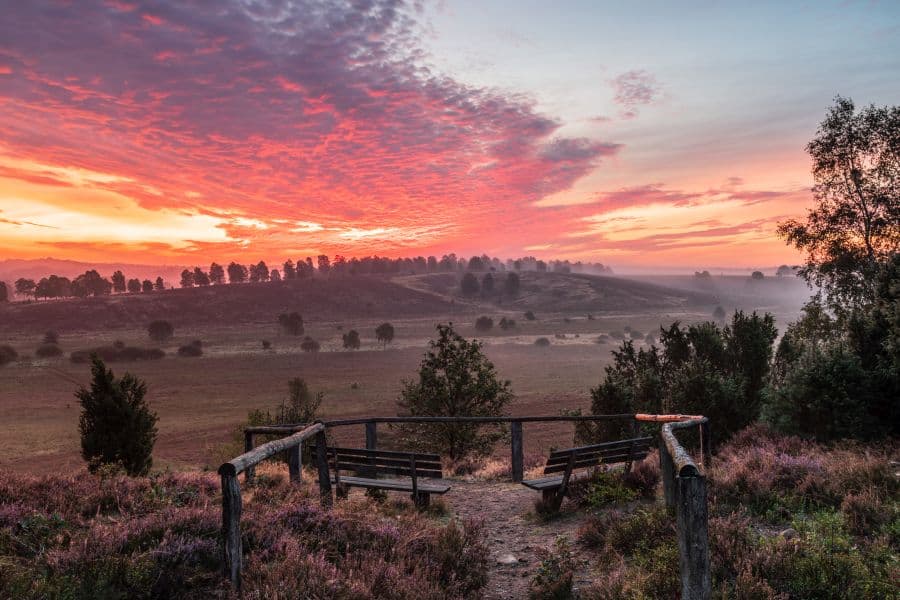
x=789, y=533
x=507, y=559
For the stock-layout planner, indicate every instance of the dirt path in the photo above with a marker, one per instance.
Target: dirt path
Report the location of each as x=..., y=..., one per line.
x=512, y=529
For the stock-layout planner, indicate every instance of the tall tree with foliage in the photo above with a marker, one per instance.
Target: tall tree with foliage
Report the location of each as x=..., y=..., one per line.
x=118, y=282
x=455, y=379
x=384, y=333
x=854, y=226
x=700, y=369
x=216, y=274
x=116, y=424
x=4, y=292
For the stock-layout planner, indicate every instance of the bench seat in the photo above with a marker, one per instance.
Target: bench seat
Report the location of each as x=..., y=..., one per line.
x=552, y=483
x=395, y=485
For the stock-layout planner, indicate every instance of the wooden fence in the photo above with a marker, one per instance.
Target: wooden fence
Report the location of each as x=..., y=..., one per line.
x=678, y=471
x=684, y=490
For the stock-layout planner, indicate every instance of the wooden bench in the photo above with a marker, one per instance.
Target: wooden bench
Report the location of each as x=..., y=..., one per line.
x=566, y=462
x=369, y=464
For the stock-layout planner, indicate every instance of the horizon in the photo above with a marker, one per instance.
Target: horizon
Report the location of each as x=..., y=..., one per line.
x=174, y=135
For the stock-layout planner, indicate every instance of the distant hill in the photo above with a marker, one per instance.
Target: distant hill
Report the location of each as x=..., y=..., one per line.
x=13, y=269
x=568, y=292
x=316, y=299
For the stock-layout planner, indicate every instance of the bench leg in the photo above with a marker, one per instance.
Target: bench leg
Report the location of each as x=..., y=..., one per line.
x=421, y=500
x=341, y=490
x=552, y=498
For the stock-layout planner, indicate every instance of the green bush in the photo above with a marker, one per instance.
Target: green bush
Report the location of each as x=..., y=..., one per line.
x=116, y=424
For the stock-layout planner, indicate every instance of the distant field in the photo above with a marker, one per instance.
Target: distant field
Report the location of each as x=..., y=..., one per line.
x=200, y=401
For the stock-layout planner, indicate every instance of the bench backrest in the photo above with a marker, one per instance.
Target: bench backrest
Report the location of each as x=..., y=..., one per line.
x=371, y=463
x=608, y=453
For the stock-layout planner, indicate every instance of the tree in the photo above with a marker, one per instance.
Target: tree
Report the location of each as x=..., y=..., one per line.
x=146, y=286
x=237, y=273
x=455, y=379
x=159, y=285
x=160, y=331
x=757, y=275
x=719, y=313
x=274, y=275
x=302, y=406
x=291, y=323
x=469, y=284
x=90, y=283
x=351, y=340
x=487, y=283
x=289, y=271
x=259, y=272
x=324, y=264
x=25, y=287
x=384, y=333
x=200, y=277
x=4, y=292
x=699, y=369
x=484, y=324
x=7, y=354
x=216, y=274
x=309, y=345
x=187, y=278
x=118, y=282
x=134, y=286
x=784, y=271
x=512, y=284
x=116, y=424
x=476, y=264
x=854, y=226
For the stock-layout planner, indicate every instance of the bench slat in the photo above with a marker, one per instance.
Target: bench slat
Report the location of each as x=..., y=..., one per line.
x=594, y=447
x=583, y=463
x=428, y=457
x=612, y=457
x=388, y=462
x=388, y=469
x=394, y=485
x=598, y=454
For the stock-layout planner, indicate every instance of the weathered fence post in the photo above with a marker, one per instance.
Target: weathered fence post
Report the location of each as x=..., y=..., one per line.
x=693, y=538
x=667, y=471
x=322, y=464
x=248, y=446
x=231, y=528
x=295, y=462
x=518, y=463
x=371, y=435
x=706, y=442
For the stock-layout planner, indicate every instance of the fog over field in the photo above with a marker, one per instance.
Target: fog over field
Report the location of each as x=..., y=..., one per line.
x=201, y=400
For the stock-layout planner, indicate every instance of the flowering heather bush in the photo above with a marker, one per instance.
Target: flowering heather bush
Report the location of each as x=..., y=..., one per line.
x=88, y=536
x=554, y=577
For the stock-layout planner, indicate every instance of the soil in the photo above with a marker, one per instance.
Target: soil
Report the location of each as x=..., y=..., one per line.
x=511, y=527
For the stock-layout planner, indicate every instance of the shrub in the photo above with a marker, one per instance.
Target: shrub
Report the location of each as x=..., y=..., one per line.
x=7, y=354
x=507, y=324
x=484, y=324
x=291, y=323
x=529, y=316
x=266, y=344
x=194, y=349
x=617, y=335
x=469, y=284
x=160, y=331
x=116, y=423
x=542, y=342
x=51, y=337
x=719, y=314
x=635, y=334
x=556, y=573
x=351, y=340
x=601, y=489
x=455, y=379
x=48, y=351
x=309, y=345
x=384, y=333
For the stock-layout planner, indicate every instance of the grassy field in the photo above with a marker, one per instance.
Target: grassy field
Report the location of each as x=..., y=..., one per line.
x=200, y=401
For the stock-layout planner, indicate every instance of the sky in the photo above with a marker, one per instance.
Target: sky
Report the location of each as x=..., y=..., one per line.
x=641, y=135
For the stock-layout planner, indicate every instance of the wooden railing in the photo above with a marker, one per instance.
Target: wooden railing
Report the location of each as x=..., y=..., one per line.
x=231, y=489
x=684, y=486
x=684, y=490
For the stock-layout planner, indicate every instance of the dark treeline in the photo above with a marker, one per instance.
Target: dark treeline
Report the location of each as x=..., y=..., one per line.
x=91, y=283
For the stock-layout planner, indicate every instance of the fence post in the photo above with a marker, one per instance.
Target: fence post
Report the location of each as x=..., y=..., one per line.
x=667, y=471
x=518, y=463
x=231, y=528
x=249, y=472
x=295, y=462
x=706, y=437
x=693, y=538
x=322, y=464
x=371, y=435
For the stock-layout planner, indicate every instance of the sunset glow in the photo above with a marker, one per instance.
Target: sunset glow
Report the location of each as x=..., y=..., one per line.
x=185, y=133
